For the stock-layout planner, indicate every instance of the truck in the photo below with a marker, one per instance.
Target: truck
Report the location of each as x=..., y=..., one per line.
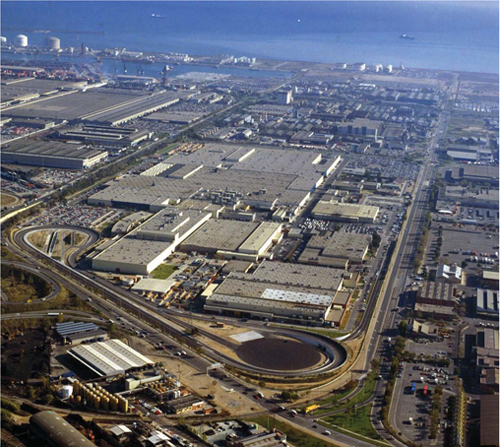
x=310, y=408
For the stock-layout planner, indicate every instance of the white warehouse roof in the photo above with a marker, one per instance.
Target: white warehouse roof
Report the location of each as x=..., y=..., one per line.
x=109, y=358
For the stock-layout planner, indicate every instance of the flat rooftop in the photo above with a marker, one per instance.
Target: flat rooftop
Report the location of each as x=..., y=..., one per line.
x=130, y=250
x=306, y=276
x=171, y=224
x=346, y=210
x=221, y=234
x=50, y=149
x=154, y=285
x=341, y=244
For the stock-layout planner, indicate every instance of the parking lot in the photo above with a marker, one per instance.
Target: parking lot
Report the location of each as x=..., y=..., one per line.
x=82, y=216
x=427, y=373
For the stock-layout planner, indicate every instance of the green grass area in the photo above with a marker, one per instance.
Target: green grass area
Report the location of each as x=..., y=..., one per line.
x=357, y=421
x=163, y=271
x=357, y=399
x=331, y=399
x=293, y=435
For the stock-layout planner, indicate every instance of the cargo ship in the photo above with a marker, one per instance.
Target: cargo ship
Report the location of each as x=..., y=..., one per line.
x=157, y=16
x=406, y=36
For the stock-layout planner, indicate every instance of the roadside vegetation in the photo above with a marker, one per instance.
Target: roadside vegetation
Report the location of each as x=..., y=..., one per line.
x=294, y=436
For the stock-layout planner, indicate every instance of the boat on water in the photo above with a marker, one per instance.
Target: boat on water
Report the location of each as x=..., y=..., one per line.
x=406, y=36
x=157, y=16
x=165, y=69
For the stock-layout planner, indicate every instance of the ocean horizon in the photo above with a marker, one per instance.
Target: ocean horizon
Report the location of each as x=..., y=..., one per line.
x=459, y=36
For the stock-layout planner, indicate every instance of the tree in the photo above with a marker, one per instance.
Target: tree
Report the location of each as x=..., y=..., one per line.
x=262, y=383
x=403, y=328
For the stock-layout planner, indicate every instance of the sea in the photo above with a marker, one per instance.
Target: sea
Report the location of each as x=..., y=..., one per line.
x=450, y=35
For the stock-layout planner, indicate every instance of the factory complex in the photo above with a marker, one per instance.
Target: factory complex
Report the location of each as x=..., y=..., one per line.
x=230, y=175
x=281, y=291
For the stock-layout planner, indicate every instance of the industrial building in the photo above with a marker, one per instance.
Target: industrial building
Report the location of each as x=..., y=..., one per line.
x=449, y=273
x=234, y=239
x=102, y=106
x=75, y=333
x=225, y=174
x=436, y=299
x=277, y=290
x=56, y=432
x=51, y=154
x=336, y=249
x=487, y=303
x=109, y=358
x=284, y=96
x=106, y=136
x=185, y=404
x=146, y=247
x=274, y=439
x=345, y=212
x=361, y=127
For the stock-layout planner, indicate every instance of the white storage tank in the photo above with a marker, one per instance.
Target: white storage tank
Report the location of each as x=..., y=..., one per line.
x=21, y=40
x=66, y=391
x=3, y=40
x=54, y=43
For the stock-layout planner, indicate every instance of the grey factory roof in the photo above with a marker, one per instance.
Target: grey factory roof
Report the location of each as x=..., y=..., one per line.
x=109, y=357
x=130, y=250
x=170, y=224
x=253, y=288
x=220, y=234
x=263, y=176
x=301, y=275
x=60, y=432
x=487, y=301
x=341, y=244
x=133, y=109
x=72, y=327
x=87, y=335
x=76, y=105
x=50, y=149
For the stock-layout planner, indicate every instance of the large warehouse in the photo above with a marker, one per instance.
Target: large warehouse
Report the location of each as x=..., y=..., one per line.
x=146, y=247
x=261, y=178
x=277, y=290
x=234, y=239
x=337, y=248
x=109, y=358
x=345, y=212
x=103, y=106
x=51, y=154
x=56, y=432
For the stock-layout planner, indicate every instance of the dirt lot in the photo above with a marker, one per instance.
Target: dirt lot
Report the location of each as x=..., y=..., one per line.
x=198, y=382
x=39, y=238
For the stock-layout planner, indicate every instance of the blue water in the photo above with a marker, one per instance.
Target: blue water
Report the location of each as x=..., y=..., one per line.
x=448, y=35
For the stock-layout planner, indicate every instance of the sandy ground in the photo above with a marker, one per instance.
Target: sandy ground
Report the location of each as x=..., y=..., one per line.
x=199, y=383
x=39, y=238
x=224, y=332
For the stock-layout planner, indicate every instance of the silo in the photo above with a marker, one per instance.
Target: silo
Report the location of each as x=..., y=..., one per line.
x=105, y=403
x=78, y=399
x=123, y=405
x=53, y=43
x=21, y=41
x=97, y=402
x=3, y=40
x=76, y=387
x=113, y=404
x=66, y=391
